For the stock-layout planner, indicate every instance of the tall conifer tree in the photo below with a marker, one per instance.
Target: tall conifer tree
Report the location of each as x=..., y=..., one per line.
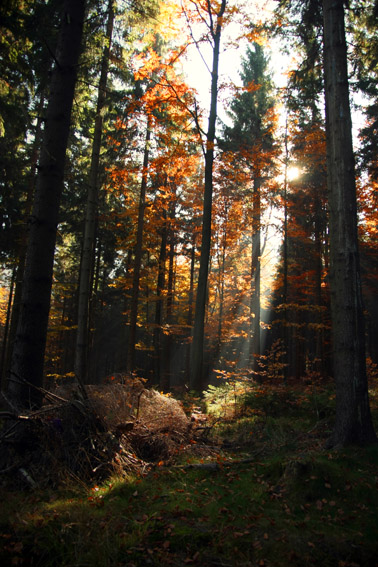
x=29, y=348
x=251, y=139
x=353, y=419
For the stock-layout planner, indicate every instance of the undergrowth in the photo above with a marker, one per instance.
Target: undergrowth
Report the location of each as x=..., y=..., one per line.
x=275, y=498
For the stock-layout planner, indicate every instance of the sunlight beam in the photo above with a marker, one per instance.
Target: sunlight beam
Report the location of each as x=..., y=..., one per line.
x=293, y=173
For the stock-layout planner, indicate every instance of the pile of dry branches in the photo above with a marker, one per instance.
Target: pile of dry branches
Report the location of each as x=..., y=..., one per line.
x=117, y=428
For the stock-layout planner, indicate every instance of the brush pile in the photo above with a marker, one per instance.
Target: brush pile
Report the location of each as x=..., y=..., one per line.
x=118, y=428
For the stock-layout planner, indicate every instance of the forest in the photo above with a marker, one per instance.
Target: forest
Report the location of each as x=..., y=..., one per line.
x=189, y=281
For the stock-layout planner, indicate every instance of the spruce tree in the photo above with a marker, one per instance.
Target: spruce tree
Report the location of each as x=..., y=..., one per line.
x=250, y=139
x=28, y=353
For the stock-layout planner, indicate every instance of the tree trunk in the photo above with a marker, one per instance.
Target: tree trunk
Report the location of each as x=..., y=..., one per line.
x=353, y=419
x=22, y=244
x=138, y=253
x=5, y=343
x=86, y=266
x=189, y=320
x=285, y=262
x=221, y=295
x=30, y=341
x=256, y=274
x=318, y=349
x=197, y=352
x=166, y=377
x=158, y=334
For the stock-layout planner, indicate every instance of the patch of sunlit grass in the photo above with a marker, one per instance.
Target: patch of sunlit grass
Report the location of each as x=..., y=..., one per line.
x=292, y=504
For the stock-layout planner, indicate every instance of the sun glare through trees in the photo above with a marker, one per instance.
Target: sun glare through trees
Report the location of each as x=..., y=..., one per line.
x=189, y=283
x=293, y=173
x=183, y=218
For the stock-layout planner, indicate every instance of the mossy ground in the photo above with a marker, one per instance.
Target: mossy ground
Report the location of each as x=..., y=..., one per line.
x=277, y=498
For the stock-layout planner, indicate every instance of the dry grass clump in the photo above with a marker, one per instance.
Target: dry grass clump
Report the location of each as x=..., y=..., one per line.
x=120, y=427
x=119, y=403
x=150, y=425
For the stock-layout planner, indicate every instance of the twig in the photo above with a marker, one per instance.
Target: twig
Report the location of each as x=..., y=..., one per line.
x=218, y=465
x=28, y=478
x=5, y=434
x=46, y=393
x=138, y=404
x=10, y=415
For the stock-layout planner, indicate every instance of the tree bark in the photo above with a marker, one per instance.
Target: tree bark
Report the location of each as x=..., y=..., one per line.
x=30, y=341
x=285, y=259
x=5, y=344
x=167, y=337
x=86, y=266
x=222, y=272
x=189, y=320
x=353, y=420
x=197, y=351
x=255, y=344
x=158, y=334
x=138, y=252
x=22, y=244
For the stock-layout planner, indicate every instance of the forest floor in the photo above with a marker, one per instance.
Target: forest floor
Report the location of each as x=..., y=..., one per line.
x=252, y=485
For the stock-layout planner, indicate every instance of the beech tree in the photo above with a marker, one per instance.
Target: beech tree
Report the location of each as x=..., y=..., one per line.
x=167, y=160
x=214, y=15
x=138, y=249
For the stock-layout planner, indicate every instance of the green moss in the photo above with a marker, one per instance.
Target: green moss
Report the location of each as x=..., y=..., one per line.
x=291, y=503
